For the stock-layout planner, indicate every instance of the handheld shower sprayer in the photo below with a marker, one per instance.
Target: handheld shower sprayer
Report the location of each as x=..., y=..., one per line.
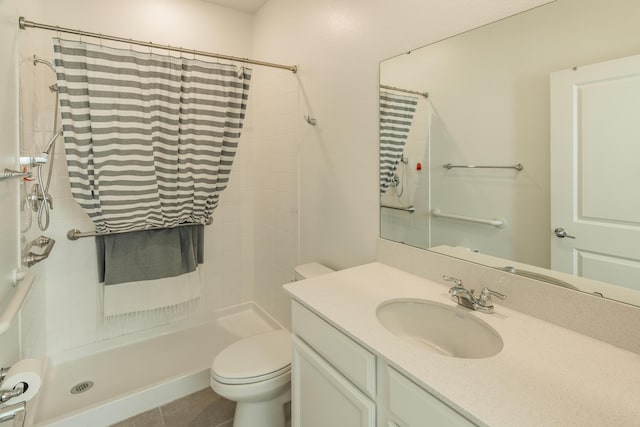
x=40, y=199
x=33, y=161
x=40, y=195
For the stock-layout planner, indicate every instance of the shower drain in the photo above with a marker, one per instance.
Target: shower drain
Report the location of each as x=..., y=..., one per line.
x=81, y=387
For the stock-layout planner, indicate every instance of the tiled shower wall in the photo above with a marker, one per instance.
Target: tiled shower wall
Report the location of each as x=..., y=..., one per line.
x=276, y=122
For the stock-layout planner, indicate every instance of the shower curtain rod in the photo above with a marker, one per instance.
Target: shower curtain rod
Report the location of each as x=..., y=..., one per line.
x=24, y=24
x=414, y=92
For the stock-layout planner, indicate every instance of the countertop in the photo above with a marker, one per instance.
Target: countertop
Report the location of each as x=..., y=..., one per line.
x=544, y=376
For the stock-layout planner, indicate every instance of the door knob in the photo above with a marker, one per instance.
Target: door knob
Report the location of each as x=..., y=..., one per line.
x=562, y=233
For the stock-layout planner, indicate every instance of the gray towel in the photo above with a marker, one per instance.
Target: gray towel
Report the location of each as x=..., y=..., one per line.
x=149, y=254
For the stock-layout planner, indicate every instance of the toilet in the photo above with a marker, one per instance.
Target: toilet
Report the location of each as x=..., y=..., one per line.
x=255, y=372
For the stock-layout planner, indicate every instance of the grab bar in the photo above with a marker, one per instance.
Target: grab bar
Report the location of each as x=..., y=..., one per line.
x=410, y=209
x=75, y=234
x=20, y=293
x=15, y=412
x=518, y=166
x=496, y=222
x=10, y=174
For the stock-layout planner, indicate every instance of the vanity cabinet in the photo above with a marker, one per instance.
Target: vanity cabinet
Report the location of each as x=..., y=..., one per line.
x=338, y=382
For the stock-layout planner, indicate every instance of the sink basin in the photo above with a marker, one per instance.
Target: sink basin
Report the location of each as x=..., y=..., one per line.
x=439, y=328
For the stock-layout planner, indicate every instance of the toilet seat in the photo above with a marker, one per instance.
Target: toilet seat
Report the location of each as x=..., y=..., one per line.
x=254, y=359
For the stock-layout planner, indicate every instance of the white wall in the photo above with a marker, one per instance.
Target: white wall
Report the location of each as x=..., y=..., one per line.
x=70, y=288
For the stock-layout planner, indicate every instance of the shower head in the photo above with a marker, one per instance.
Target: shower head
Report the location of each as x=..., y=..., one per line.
x=37, y=60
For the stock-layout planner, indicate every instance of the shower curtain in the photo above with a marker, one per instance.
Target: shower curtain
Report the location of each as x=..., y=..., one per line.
x=150, y=139
x=396, y=118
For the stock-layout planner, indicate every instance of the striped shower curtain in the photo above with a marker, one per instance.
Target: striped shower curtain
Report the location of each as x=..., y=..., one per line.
x=150, y=139
x=396, y=118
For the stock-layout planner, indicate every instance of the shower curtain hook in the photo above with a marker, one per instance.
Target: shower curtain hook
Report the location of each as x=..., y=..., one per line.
x=311, y=120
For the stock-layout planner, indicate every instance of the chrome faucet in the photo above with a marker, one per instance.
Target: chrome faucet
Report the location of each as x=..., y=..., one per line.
x=466, y=297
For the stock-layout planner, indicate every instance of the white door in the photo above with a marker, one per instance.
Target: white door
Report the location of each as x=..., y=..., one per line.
x=595, y=171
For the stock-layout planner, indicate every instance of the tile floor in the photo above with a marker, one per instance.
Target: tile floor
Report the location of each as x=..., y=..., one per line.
x=202, y=409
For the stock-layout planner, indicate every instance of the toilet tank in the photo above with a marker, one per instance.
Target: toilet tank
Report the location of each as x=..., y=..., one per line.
x=309, y=270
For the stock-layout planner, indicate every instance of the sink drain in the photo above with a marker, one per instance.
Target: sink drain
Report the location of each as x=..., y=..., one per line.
x=81, y=387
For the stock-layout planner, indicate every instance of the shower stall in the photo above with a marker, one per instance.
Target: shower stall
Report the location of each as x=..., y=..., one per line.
x=165, y=355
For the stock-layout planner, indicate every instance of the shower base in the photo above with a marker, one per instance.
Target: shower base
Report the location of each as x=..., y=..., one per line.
x=135, y=375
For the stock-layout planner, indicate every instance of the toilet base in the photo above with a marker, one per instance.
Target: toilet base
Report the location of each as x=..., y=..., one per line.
x=270, y=413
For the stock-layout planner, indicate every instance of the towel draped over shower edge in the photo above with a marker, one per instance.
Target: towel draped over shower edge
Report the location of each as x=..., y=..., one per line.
x=150, y=140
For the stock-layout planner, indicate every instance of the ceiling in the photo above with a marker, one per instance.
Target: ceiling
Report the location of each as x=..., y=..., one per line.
x=249, y=6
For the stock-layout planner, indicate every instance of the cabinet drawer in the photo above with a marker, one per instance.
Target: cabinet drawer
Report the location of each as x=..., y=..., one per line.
x=352, y=360
x=412, y=406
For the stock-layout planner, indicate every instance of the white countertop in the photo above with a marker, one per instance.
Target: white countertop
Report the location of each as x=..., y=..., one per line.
x=544, y=376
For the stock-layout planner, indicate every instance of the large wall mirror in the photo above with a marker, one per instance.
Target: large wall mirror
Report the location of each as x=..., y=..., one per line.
x=517, y=145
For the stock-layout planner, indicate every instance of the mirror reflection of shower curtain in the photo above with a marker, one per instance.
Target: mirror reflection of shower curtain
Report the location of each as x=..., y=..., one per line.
x=396, y=117
x=412, y=191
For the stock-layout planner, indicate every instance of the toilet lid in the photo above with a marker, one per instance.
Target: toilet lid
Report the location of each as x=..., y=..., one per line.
x=256, y=358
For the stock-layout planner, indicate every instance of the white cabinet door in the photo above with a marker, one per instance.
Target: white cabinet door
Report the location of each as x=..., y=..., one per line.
x=321, y=397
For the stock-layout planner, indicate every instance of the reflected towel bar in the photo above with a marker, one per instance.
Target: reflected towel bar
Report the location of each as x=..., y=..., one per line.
x=410, y=209
x=517, y=167
x=75, y=234
x=496, y=222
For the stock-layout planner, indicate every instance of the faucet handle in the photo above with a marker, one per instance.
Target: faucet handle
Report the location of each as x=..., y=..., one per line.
x=486, y=292
x=485, y=297
x=455, y=280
